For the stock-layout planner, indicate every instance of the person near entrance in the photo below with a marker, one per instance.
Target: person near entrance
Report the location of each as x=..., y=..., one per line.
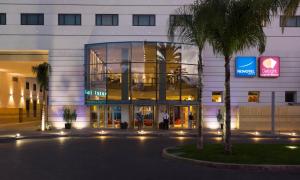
x=166, y=120
x=220, y=119
x=191, y=118
x=139, y=118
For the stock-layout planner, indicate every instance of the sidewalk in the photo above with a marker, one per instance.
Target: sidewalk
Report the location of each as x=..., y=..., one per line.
x=30, y=130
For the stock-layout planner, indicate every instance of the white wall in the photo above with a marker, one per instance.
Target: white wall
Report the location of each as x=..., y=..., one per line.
x=66, y=48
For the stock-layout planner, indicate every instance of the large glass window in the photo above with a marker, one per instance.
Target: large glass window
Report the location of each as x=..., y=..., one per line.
x=69, y=19
x=32, y=19
x=144, y=20
x=2, y=19
x=107, y=19
x=142, y=71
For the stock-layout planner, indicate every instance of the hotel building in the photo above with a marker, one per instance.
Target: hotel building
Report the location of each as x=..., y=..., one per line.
x=112, y=59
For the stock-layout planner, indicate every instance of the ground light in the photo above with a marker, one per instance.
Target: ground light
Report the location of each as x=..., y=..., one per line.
x=219, y=132
x=181, y=132
x=18, y=135
x=141, y=132
x=293, y=134
x=61, y=132
x=102, y=132
x=256, y=133
x=291, y=147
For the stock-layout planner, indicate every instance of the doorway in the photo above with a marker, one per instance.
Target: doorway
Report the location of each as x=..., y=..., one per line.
x=183, y=117
x=147, y=114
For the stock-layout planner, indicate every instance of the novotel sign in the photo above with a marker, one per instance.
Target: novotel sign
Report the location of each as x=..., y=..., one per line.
x=94, y=93
x=245, y=66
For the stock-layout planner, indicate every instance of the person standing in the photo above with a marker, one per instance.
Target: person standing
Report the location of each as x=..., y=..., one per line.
x=191, y=118
x=139, y=118
x=220, y=119
x=166, y=120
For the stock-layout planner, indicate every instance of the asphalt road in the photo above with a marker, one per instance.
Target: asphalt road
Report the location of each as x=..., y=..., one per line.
x=109, y=158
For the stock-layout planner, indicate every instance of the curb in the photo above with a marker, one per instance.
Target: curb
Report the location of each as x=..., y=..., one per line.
x=233, y=166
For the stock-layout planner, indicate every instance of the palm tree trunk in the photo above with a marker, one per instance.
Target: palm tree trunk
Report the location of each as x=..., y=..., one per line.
x=43, y=117
x=200, y=122
x=227, y=141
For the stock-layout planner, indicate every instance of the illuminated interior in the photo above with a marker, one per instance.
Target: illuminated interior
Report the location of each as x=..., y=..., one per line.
x=140, y=77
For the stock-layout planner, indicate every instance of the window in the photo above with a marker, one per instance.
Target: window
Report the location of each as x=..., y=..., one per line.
x=293, y=21
x=143, y=20
x=217, y=96
x=107, y=20
x=34, y=108
x=41, y=89
x=176, y=18
x=27, y=85
x=290, y=96
x=34, y=87
x=2, y=19
x=69, y=19
x=253, y=96
x=32, y=19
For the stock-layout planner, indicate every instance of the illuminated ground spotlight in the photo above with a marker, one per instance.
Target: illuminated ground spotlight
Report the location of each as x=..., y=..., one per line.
x=293, y=134
x=102, y=132
x=181, y=132
x=256, y=133
x=18, y=135
x=61, y=133
x=141, y=132
x=292, y=147
x=219, y=132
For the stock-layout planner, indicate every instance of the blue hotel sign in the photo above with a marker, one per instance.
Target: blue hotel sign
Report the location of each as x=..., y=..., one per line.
x=245, y=66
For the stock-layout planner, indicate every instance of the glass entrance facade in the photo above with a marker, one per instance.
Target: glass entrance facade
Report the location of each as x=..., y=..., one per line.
x=125, y=77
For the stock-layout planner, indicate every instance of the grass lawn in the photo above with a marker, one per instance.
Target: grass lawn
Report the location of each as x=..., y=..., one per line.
x=244, y=153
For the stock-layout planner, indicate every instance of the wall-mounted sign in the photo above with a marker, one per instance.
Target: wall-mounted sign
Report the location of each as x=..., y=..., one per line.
x=269, y=66
x=95, y=93
x=245, y=66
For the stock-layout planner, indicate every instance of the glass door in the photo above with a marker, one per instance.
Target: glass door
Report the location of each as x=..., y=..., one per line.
x=113, y=116
x=183, y=117
x=146, y=114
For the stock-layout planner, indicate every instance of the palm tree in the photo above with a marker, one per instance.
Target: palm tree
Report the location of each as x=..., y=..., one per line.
x=232, y=28
x=189, y=28
x=42, y=72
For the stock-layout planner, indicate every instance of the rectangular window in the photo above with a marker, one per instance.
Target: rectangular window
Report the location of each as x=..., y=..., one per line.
x=69, y=19
x=177, y=18
x=253, y=96
x=217, y=96
x=144, y=20
x=32, y=19
x=27, y=85
x=107, y=19
x=293, y=21
x=290, y=96
x=34, y=87
x=2, y=19
x=41, y=89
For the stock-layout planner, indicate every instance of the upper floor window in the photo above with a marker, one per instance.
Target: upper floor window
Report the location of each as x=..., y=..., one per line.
x=32, y=19
x=293, y=21
x=2, y=19
x=175, y=19
x=217, y=96
x=69, y=19
x=253, y=96
x=144, y=20
x=27, y=85
x=290, y=96
x=107, y=20
x=34, y=87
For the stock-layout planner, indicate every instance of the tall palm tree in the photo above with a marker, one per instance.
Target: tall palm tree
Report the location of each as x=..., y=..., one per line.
x=232, y=28
x=189, y=28
x=42, y=72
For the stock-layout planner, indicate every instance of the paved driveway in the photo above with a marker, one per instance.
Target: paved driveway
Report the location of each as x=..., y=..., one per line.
x=108, y=158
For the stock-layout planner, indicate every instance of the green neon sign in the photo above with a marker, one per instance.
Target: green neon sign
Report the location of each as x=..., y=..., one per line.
x=95, y=93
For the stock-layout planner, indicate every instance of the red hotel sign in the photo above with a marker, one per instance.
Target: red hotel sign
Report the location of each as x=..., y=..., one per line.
x=269, y=66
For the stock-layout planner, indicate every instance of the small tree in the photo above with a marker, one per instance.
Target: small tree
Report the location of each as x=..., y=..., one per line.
x=42, y=72
x=69, y=117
